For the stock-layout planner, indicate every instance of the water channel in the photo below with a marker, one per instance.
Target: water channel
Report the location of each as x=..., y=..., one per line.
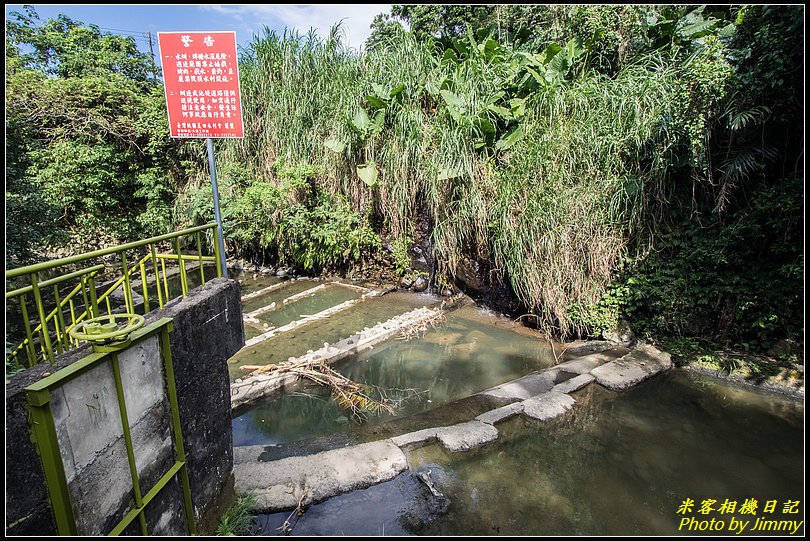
x=619, y=464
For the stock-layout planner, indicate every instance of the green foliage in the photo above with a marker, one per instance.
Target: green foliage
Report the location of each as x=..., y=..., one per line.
x=635, y=162
x=65, y=48
x=90, y=160
x=237, y=519
x=402, y=261
x=288, y=217
x=735, y=280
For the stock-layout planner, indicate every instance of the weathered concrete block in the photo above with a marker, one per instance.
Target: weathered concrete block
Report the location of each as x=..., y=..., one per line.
x=465, y=436
x=525, y=387
x=207, y=330
x=583, y=365
x=251, y=388
x=499, y=414
x=573, y=384
x=548, y=406
x=420, y=436
x=640, y=364
x=588, y=347
x=279, y=484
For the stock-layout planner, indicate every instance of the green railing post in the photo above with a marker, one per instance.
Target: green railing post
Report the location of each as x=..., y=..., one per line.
x=165, y=347
x=29, y=348
x=133, y=469
x=59, y=321
x=48, y=446
x=157, y=275
x=46, y=338
x=128, y=304
x=183, y=282
x=165, y=280
x=200, y=259
x=145, y=288
x=91, y=282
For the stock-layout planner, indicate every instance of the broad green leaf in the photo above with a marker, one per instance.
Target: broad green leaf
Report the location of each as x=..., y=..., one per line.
x=502, y=111
x=375, y=102
x=518, y=107
x=452, y=100
x=334, y=145
x=361, y=121
x=537, y=77
x=489, y=48
x=495, y=97
x=378, y=122
x=573, y=49
x=396, y=91
x=549, y=53
x=368, y=173
x=509, y=139
x=695, y=30
x=379, y=90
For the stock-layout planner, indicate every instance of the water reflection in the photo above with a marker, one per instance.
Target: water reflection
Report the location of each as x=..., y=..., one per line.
x=622, y=464
x=461, y=357
x=313, y=335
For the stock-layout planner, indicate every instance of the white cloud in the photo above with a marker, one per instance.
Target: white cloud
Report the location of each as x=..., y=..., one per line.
x=356, y=18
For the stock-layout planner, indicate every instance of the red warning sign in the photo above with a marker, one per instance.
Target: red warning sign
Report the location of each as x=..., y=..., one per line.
x=201, y=81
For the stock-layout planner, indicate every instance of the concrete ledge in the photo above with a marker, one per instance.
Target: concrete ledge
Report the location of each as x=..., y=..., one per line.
x=585, y=364
x=420, y=436
x=465, y=436
x=498, y=415
x=280, y=484
x=254, y=387
x=573, y=384
x=548, y=406
x=638, y=365
x=525, y=387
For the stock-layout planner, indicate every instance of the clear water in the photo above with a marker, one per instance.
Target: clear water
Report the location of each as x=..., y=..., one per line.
x=277, y=295
x=251, y=282
x=619, y=464
x=622, y=464
x=331, y=295
x=466, y=354
x=312, y=336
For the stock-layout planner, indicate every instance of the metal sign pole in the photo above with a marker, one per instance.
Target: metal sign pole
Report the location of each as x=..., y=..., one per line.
x=209, y=143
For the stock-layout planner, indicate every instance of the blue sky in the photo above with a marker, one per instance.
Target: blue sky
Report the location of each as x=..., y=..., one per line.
x=137, y=20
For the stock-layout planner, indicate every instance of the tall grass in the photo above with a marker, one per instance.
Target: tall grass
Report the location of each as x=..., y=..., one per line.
x=576, y=188
x=552, y=214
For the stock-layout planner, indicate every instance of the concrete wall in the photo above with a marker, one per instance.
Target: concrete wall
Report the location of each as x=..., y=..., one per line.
x=208, y=329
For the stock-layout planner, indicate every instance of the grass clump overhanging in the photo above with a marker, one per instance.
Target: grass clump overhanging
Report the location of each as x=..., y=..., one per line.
x=237, y=519
x=556, y=179
x=544, y=179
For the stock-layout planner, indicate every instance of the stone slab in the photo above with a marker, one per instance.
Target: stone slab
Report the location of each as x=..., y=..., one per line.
x=498, y=415
x=573, y=384
x=466, y=436
x=525, y=387
x=281, y=484
x=640, y=364
x=548, y=406
x=420, y=436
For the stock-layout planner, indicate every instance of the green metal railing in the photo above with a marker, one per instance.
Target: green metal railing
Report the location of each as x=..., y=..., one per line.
x=57, y=307
x=39, y=397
